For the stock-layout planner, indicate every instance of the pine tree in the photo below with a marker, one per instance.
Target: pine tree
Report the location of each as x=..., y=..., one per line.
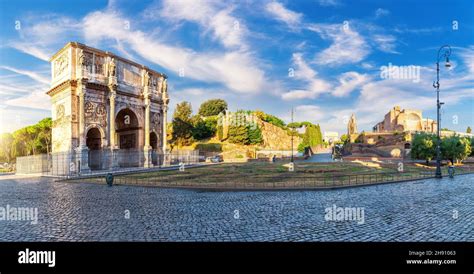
x=238, y=135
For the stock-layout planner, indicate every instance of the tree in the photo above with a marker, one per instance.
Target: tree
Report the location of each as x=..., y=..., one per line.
x=212, y=107
x=345, y=138
x=301, y=147
x=468, y=130
x=311, y=137
x=24, y=141
x=472, y=147
x=30, y=140
x=294, y=125
x=6, y=149
x=182, y=124
x=319, y=135
x=183, y=111
x=455, y=148
x=423, y=147
x=255, y=135
x=43, y=138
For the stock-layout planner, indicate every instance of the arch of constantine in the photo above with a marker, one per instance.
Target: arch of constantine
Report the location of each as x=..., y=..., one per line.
x=108, y=112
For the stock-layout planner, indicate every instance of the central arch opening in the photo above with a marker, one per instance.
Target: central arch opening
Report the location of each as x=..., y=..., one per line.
x=127, y=129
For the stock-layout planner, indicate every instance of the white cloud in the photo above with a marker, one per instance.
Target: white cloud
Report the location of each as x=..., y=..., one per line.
x=367, y=65
x=298, y=94
x=37, y=99
x=211, y=15
x=280, y=13
x=329, y=3
x=24, y=92
x=377, y=97
x=348, y=82
x=32, y=50
x=303, y=70
x=313, y=85
x=467, y=55
x=310, y=113
x=381, y=12
x=385, y=43
x=10, y=89
x=41, y=38
x=32, y=74
x=235, y=69
x=348, y=46
x=417, y=30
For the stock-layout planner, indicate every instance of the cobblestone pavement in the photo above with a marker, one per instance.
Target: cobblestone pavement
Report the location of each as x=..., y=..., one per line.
x=429, y=210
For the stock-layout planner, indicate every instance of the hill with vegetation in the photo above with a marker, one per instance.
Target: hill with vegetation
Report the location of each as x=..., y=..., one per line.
x=215, y=129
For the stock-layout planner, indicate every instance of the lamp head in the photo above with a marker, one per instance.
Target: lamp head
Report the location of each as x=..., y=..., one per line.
x=447, y=64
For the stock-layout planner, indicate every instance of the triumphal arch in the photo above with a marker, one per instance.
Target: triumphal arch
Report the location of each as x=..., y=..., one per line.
x=108, y=112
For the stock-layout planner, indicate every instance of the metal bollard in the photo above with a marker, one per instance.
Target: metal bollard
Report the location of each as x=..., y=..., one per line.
x=109, y=179
x=451, y=171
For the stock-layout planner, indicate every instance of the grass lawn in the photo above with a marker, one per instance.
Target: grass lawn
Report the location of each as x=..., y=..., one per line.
x=271, y=175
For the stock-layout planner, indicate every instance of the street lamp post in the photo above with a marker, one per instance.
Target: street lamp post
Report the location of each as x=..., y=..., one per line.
x=292, y=133
x=443, y=52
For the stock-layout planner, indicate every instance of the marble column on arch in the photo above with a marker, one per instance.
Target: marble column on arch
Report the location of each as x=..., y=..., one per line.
x=82, y=151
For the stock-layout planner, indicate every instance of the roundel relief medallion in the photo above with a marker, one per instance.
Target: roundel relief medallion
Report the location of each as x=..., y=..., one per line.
x=101, y=111
x=89, y=108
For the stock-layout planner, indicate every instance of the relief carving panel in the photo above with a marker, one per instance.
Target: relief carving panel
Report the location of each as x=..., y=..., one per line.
x=61, y=64
x=95, y=113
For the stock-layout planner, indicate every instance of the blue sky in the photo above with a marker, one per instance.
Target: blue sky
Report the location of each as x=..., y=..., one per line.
x=321, y=57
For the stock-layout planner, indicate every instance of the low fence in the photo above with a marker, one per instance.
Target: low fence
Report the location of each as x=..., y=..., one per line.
x=71, y=164
x=272, y=182
x=33, y=164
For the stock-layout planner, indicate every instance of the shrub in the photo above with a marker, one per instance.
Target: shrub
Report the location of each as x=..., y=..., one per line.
x=270, y=119
x=204, y=128
x=238, y=135
x=255, y=135
x=220, y=132
x=210, y=147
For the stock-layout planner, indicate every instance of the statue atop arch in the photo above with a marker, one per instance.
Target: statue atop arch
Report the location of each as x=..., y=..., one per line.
x=112, y=67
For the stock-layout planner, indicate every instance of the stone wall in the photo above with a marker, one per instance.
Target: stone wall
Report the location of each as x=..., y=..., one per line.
x=277, y=138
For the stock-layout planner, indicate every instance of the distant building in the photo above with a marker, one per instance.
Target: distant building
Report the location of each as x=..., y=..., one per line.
x=352, y=125
x=398, y=119
x=331, y=136
x=448, y=133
